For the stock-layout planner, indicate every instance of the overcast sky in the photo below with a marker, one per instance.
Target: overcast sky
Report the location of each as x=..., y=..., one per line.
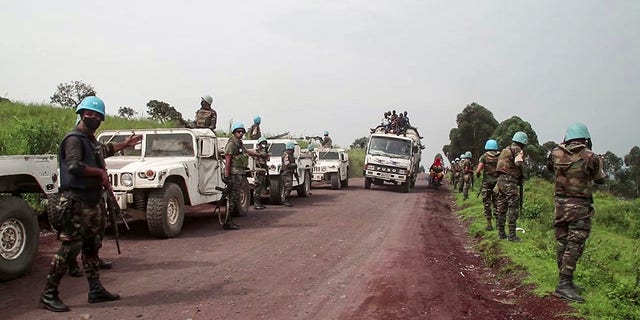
x=309, y=66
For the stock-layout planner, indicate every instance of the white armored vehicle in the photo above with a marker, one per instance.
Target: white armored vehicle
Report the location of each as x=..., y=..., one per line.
x=332, y=166
x=170, y=169
x=393, y=158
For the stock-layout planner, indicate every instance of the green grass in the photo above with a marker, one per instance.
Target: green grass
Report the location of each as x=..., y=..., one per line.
x=356, y=162
x=609, y=268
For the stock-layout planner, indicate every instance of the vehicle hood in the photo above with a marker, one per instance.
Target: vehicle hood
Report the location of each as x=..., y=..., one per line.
x=388, y=161
x=134, y=164
x=326, y=163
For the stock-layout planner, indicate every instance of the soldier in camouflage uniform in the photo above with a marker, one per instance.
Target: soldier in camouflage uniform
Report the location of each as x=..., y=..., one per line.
x=455, y=173
x=83, y=179
x=488, y=163
x=236, y=161
x=261, y=172
x=254, y=130
x=206, y=117
x=510, y=176
x=326, y=141
x=467, y=174
x=287, y=171
x=576, y=167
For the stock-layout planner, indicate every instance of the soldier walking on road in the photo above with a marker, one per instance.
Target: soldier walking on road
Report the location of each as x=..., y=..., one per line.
x=510, y=176
x=206, y=117
x=488, y=163
x=576, y=167
x=254, y=130
x=261, y=172
x=467, y=174
x=82, y=182
x=287, y=171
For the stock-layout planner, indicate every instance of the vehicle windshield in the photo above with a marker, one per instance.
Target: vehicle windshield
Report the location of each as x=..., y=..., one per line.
x=128, y=152
x=390, y=146
x=169, y=145
x=277, y=149
x=328, y=155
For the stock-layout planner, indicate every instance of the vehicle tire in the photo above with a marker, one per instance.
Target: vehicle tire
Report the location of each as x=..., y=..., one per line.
x=276, y=190
x=19, y=236
x=345, y=182
x=165, y=211
x=405, y=187
x=245, y=200
x=305, y=188
x=367, y=183
x=412, y=184
x=335, y=181
x=53, y=211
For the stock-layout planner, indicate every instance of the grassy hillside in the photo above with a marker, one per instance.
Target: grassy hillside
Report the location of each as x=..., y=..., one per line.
x=609, y=268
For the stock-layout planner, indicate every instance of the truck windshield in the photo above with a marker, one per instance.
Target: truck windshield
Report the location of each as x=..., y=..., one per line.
x=328, y=155
x=169, y=145
x=277, y=149
x=128, y=152
x=390, y=146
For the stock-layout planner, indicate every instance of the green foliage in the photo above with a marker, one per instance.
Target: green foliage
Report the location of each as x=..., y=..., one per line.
x=126, y=112
x=632, y=160
x=356, y=162
x=162, y=112
x=475, y=126
x=609, y=268
x=70, y=94
x=359, y=143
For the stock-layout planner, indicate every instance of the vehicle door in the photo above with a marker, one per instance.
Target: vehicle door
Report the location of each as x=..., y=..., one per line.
x=209, y=166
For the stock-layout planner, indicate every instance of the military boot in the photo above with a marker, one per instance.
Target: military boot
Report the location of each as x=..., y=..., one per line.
x=97, y=293
x=104, y=264
x=50, y=300
x=286, y=202
x=489, y=227
x=500, y=226
x=566, y=289
x=257, y=202
x=512, y=234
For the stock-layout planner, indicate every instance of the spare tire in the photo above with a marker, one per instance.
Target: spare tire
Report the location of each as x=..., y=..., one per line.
x=19, y=236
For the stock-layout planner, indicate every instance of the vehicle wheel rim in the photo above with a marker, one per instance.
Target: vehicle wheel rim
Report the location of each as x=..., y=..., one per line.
x=12, y=239
x=173, y=211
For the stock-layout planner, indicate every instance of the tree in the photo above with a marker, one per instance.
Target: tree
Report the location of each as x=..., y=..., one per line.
x=632, y=160
x=162, y=112
x=2, y=99
x=359, y=143
x=69, y=95
x=536, y=159
x=126, y=112
x=475, y=125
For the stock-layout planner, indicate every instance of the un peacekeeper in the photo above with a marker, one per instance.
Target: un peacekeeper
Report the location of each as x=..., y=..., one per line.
x=236, y=161
x=83, y=178
x=467, y=173
x=460, y=174
x=254, y=130
x=454, y=173
x=510, y=176
x=326, y=141
x=206, y=117
x=261, y=172
x=287, y=170
x=576, y=167
x=488, y=163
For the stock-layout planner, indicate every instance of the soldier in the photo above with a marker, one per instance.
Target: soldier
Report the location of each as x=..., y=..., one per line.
x=287, y=171
x=261, y=172
x=326, y=141
x=236, y=158
x=576, y=167
x=206, y=117
x=467, y=173
x=454, y=172
x=488, y=163
x=254, y=130
x=83, y=179
x=510, y=176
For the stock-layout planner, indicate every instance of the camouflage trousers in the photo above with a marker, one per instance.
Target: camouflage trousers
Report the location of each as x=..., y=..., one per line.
x=508, y=202
x=287, y=181
x=82, y=227
x=457, y=176
x=236, y=181
x=572, y=226
x=489, y=199
x=260, y=182
x=466, y=184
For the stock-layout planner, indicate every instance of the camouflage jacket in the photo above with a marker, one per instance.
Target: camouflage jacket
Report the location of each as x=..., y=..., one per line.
x=489, y=162
x=576, y=167
x=206, y=118
x=510, y=161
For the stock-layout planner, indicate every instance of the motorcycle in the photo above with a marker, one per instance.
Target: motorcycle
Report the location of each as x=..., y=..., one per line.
x=434, y=179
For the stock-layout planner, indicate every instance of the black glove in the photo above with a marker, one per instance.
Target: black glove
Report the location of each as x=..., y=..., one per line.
x=225, y=179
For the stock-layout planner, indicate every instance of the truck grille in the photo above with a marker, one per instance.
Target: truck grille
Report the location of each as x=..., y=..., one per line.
x=382, y=168
x=113, y=179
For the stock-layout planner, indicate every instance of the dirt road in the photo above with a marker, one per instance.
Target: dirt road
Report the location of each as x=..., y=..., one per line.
x=347, y=254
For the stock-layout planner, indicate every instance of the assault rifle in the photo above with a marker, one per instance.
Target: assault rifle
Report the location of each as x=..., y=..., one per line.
x=521, y=182
x=278, y=136
x=113, y=210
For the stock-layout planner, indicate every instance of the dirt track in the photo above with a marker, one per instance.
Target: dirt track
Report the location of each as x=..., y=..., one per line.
x=347, y=254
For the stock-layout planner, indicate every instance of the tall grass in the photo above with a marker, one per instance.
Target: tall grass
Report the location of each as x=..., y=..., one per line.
x=356, y=162
x=609, y=268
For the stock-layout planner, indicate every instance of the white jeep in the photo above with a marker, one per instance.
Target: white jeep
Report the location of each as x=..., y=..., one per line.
x=332, y=166
x=170, y=169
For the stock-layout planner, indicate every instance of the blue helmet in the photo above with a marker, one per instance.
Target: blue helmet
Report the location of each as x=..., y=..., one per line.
x=467, y=154
x=520, y=137
x=92, y=103
x=456, y=160
x=311, y=147
x=462, y=156
x=236, y=126
x=491, y=145
x=577, y=131
x=290, y=145
x=261, y=140
x=257, y=119
x=326, y=133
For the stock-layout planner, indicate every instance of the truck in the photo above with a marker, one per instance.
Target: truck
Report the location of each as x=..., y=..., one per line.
x=170, y=170
x=19, y=228
x=393, y=158
x=304, y=159
x=332, y=167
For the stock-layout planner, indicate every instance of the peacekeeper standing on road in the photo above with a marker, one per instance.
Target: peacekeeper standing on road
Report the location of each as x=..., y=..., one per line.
x=254, y=130
x=510, y=176
x=82, y=181
x=326, y=141
x=488, y=163
x=236, y=161
x=287, y=170
x=206, y=117
x=576, y=167
x=261, y=172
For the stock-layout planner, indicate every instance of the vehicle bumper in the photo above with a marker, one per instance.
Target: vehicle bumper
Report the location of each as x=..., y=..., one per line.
x=385, y=176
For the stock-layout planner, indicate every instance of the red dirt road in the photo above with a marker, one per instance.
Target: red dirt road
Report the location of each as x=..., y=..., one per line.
x=346, y=254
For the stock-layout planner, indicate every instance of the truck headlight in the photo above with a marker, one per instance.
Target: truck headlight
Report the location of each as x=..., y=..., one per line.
x=401, y=171
x=370, y=167
x=126, y=179
x=323, y=169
